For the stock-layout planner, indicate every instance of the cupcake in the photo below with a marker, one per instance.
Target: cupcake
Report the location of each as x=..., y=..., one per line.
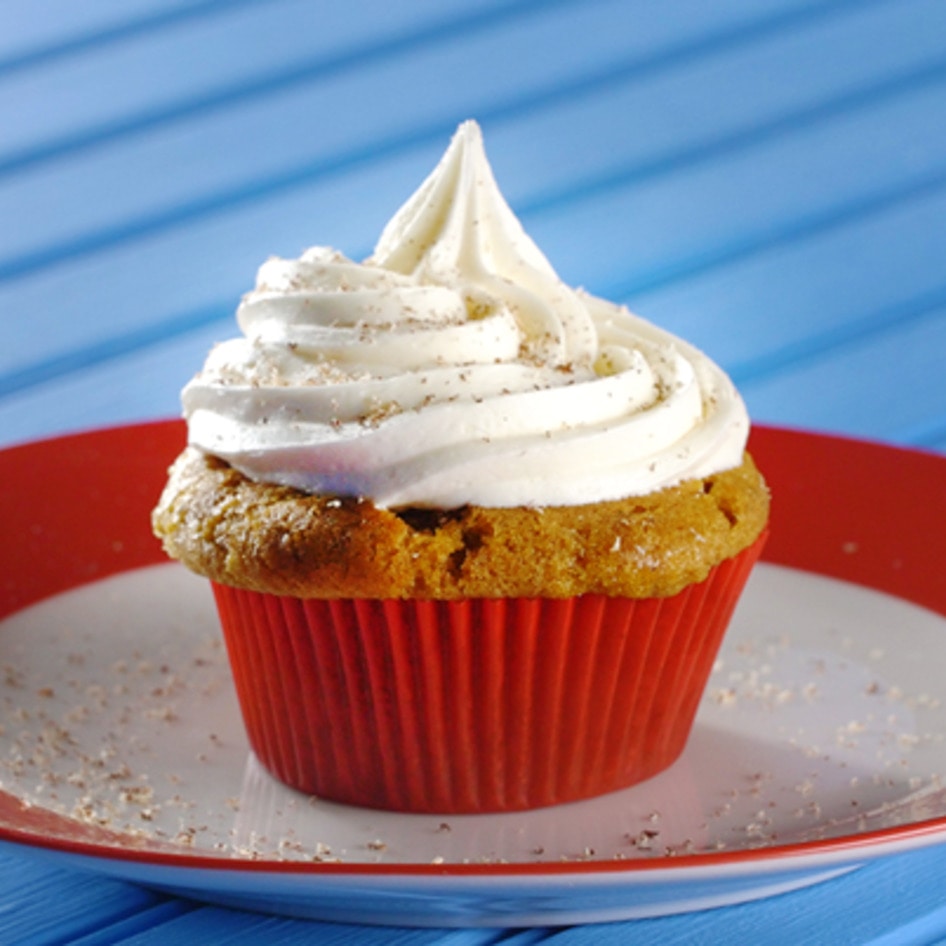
x=474, y=536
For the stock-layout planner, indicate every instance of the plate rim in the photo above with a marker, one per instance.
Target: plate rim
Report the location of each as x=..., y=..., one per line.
x=133, y=459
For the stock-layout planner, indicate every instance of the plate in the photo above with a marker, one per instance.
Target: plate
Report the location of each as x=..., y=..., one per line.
x=819, y=744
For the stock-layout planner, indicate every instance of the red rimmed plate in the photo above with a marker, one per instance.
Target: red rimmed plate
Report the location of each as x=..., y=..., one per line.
x=818, y=745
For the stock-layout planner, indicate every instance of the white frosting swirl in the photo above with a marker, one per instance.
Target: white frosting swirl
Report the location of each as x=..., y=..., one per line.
x=453, y=366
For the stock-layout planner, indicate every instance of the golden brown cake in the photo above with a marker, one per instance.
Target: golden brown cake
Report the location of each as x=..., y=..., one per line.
x=280, y=540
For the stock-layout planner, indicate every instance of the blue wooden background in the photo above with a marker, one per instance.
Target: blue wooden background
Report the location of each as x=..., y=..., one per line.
x=767, y=179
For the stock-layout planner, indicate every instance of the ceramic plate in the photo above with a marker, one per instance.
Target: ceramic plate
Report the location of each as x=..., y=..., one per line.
x=819, y=744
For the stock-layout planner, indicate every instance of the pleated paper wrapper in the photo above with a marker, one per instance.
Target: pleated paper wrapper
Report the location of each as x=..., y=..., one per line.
x=477, y=705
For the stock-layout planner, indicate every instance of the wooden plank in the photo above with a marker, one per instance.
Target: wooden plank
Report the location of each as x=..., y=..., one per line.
x=82, y=901
x=336, y=203
x=798, y=295
x=299, y=131
x=187, y=61
x=888, y=386
x=37, y=32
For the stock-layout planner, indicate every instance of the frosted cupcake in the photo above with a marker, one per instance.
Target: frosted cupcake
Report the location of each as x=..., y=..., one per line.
x=474, y=536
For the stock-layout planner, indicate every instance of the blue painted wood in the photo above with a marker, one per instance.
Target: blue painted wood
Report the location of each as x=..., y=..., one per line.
x=799, y=299
x=43, y=31
x=307, y=136
x=201, y=925
x=230, y=61
x=856, y=390
x=191, y=251
x=40, y=905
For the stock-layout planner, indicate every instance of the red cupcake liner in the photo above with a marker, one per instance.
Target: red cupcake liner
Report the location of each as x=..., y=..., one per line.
x=474, y=705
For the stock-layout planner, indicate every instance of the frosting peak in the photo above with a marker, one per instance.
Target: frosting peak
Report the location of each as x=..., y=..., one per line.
x=458, y=229
x=453, y=366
